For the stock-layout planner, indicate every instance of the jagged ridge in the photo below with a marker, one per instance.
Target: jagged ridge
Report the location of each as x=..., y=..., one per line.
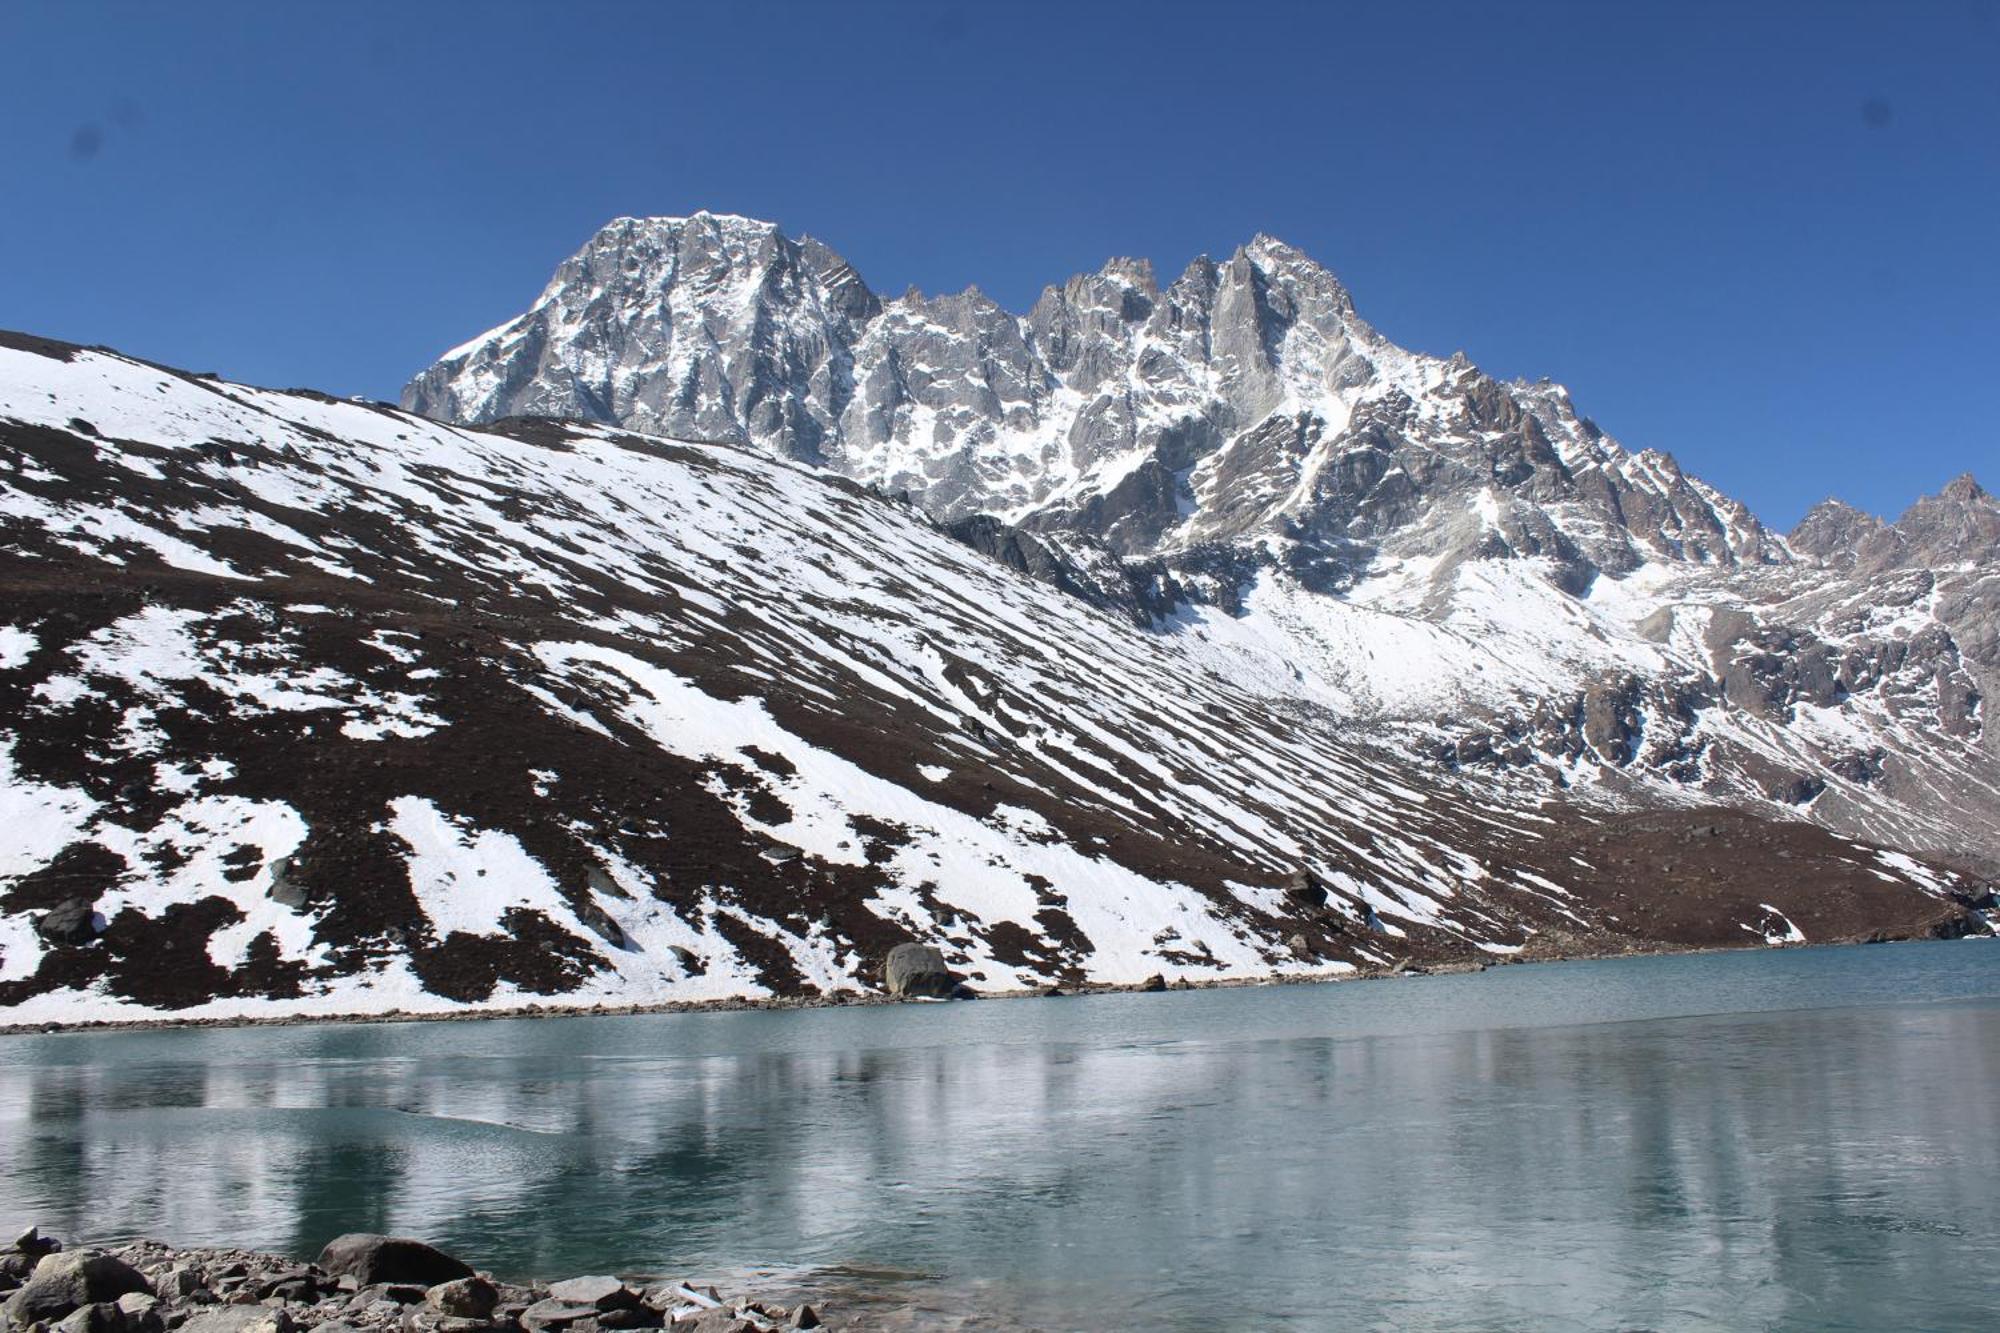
x=321, y=706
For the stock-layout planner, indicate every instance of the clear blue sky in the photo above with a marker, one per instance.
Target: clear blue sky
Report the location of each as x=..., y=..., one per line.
x=1766, y=238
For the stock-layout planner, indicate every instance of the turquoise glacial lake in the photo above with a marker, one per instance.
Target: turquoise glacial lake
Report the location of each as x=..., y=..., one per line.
x=1793, y=1139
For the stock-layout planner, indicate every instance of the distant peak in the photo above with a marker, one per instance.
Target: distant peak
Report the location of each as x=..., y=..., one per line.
x=1266, y=249
x=1138, y=272
x=1291, y=266
x=723, y=222
x=1965, y=489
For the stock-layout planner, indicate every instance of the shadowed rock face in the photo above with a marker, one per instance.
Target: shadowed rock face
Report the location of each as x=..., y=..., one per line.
x=324, y=707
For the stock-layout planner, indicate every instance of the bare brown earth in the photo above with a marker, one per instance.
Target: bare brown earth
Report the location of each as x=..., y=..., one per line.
x=1632, y=880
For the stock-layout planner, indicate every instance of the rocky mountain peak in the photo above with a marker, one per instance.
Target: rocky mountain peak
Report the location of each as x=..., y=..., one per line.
x=1965, y=489
x=1247, y=404
x=1960, y=525
x=1834, y=532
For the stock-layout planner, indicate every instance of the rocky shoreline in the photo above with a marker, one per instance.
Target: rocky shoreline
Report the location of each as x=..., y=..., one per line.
x=360, y=1283
x=836, y=1000
x=859, y=999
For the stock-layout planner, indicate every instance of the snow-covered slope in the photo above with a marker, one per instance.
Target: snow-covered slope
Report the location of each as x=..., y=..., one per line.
x=1241, y=462
x=320, y=706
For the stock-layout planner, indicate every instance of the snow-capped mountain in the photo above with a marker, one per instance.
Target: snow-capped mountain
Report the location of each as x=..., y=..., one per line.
x=319, y=706
x=1468, y=568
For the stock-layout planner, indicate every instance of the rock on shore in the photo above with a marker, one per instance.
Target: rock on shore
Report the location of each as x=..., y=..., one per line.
x=361, y=1284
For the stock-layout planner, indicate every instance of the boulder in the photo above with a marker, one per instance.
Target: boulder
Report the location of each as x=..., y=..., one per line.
x=1156, y=982
x=464, y=1298
x=677, y=1294
x=290, y=1284
x=918, y=969
x=104, y=1317
x=184, y=1284
x=288, y=889
x=240, y=1319
x=373, y=1259
x=603, y=1293
x=137, y=1304
x=553, y=1313
x=1300, y=946
x=805, y=1317
x=1304, y=890
x=394, y=1293
x=34, y=1244
x=67, y=1281
x=72, y=921
x=423, y=1319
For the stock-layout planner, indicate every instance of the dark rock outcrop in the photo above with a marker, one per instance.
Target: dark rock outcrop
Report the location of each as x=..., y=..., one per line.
x=918, y=971
x=370, y=1259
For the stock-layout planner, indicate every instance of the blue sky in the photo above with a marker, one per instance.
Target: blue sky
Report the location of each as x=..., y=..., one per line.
x=1760, y=237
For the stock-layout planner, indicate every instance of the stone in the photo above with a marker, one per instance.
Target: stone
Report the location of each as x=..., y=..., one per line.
x=104, y=1317
x=72, y=921
x=805, y=1317
x=182, y=1283
x=33, y=1242
x=287, y=888
x=723, y=1321
x=464, y=1298
x=603, y=1293
x=423, y=1319
x=65, y=1281
x=1303, y=889
x=637, y=1316
x=241, y=1319
x=1300, y=946
x=918, y=970
x=1156, y=982
x=396, y=1293
x=553, y=1313
x=373, y=1259
x=291, y=1284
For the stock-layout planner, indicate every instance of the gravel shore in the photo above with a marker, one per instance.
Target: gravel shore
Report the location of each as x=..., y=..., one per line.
x=359, y=1284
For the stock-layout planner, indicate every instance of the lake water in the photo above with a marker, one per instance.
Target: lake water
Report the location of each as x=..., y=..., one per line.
x=1803, y=1139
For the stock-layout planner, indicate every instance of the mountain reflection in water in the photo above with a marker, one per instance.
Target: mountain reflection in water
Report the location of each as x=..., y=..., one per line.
x=1798, y=1139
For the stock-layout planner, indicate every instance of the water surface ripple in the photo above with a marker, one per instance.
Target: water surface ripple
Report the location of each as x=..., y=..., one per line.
x=1802, y=1139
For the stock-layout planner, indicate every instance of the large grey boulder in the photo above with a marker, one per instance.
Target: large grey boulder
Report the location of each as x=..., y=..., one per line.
x=370, y=1259
x=465, y=1298
x=600, y=1292
x=918, y=970
x=65, y=1282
